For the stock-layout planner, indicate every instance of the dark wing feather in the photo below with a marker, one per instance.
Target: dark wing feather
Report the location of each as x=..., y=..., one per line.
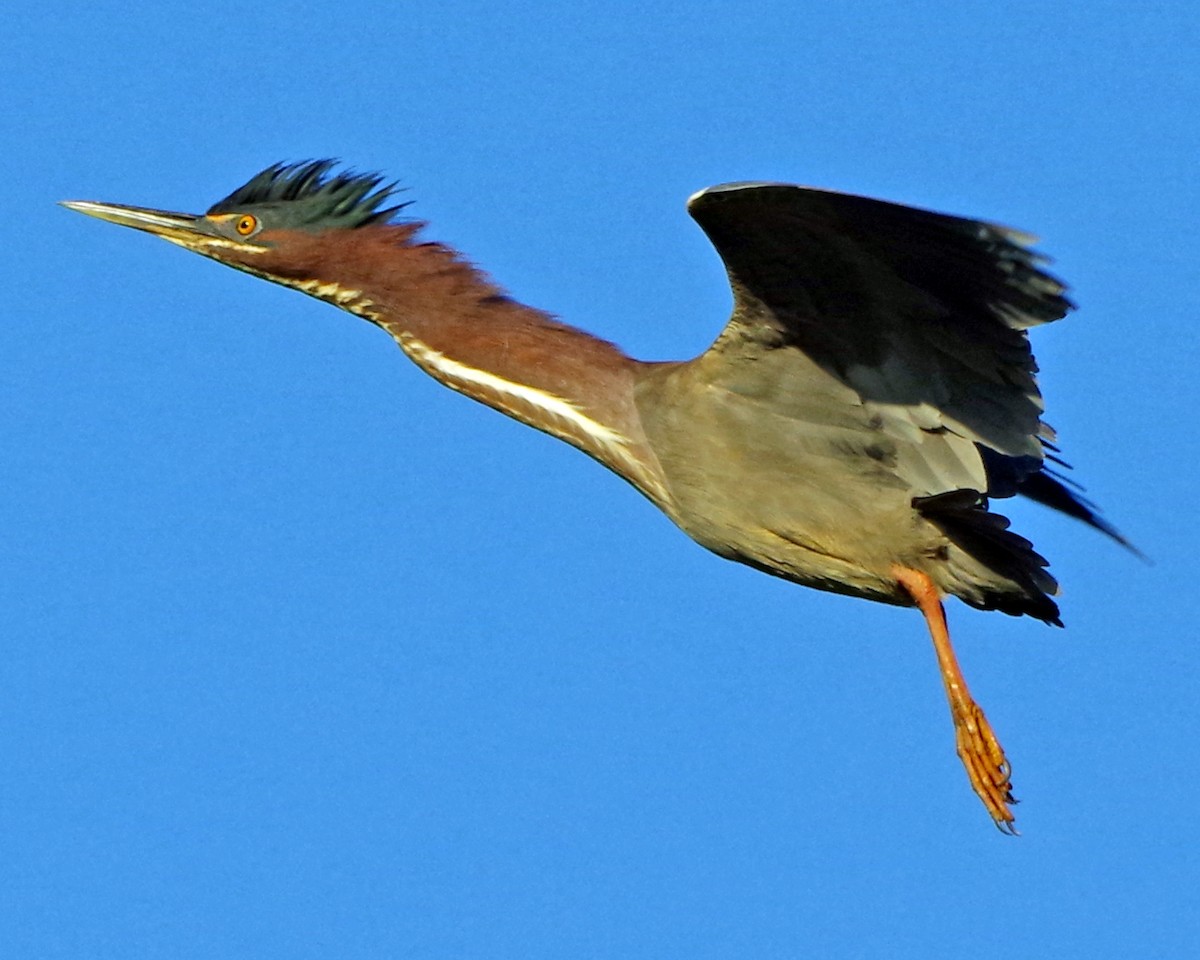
x=911, y=308
x=924, y=315
x=964, y=518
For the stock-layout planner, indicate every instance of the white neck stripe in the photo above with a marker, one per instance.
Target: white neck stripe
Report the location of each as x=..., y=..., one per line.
x=560, y=417
x=460, y=375
x=565, y=420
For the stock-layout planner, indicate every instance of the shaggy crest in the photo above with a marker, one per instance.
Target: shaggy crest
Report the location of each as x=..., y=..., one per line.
x=308, y=198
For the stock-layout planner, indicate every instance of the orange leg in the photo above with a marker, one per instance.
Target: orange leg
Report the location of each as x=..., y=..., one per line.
x=980, y=752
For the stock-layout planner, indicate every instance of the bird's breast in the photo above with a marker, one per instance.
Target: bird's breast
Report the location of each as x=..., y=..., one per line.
x=799, y=484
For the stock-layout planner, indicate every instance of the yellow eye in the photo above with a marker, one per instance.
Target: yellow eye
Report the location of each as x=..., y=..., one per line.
x=246, y=224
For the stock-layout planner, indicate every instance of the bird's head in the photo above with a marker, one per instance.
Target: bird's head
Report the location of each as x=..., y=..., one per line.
x=286, y=224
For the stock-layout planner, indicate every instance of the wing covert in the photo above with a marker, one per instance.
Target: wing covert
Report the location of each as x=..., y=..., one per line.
x=923, y=314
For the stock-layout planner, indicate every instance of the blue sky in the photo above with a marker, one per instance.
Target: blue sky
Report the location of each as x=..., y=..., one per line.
x=307, y=656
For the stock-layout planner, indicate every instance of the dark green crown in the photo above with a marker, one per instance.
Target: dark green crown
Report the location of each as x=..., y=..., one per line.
x=303, y=196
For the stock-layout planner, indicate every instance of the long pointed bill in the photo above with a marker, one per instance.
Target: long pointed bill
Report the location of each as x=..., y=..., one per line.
x=196, y=233
x=162, y=223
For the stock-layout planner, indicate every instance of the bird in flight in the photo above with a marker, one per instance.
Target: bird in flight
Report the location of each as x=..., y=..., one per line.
x=869, y=398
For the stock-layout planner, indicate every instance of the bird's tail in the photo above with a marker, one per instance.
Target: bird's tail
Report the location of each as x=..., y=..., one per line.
x=988, y=566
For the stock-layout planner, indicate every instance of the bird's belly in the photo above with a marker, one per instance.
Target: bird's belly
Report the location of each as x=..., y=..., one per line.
x=813, y=508
x=829, y=542
x=816, y=502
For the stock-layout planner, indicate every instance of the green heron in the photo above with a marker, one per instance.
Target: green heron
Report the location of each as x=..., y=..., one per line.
x=872, y=392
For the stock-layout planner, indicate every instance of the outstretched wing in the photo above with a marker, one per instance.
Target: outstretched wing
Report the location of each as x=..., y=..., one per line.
x=924, y=315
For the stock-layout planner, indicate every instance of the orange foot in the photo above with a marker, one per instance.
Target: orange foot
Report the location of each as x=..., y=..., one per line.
x=988, y=768
x=980, y=752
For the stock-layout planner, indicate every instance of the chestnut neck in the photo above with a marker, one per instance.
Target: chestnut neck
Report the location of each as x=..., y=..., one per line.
x=463, y=330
